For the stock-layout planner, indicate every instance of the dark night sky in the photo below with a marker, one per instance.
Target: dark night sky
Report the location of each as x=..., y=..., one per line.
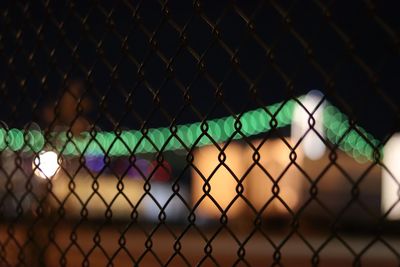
x=50, y=54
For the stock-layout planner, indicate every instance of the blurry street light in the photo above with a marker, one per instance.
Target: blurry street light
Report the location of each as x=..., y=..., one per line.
x=311, y=144
x=46, y=164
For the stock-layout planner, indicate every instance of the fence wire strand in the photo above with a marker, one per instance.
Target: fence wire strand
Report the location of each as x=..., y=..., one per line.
x=157, y=133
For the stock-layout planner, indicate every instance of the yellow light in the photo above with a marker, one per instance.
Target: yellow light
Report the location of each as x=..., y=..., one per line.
x=290, y=195
x=114, y=197
x=274, y=159
x=46, y=164
x=221, y=182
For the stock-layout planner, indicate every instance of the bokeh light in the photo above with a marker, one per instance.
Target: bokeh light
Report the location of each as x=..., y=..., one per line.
x=46, y=164
x=391, y=178
x=335, y=127
x=94, y=163
x=160, y=171
x=303, y=128
x=139, y=169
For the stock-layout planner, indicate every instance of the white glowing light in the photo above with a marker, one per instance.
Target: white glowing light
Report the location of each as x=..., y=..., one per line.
x=162, y=194
x=46, y=164
x=391, y=177
x=311, y=144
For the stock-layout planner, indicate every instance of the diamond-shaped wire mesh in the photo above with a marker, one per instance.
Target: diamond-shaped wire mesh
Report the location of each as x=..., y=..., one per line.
x=204, y=133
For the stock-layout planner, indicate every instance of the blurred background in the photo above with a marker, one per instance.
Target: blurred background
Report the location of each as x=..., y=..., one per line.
x=154, y=133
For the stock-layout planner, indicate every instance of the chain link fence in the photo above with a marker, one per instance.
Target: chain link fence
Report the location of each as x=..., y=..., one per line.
x=204, y=133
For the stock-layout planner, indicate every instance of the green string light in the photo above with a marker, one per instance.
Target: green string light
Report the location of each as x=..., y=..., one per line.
x=188, y=135
x=351, y=141
x=3, y=144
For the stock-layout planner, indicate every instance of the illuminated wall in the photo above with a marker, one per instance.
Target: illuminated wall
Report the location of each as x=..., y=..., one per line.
x=274, y=166
x=273, y=159
x=221, y=177
x=239, y=161
x=83, y=193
